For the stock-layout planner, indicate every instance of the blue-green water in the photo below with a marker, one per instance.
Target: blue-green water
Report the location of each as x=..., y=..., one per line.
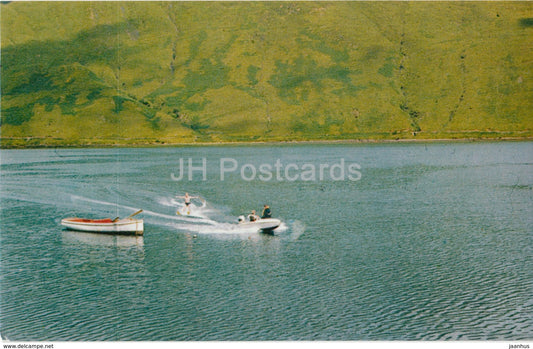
x=433, y=242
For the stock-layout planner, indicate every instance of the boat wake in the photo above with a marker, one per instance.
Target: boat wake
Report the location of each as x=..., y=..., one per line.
x=200, y=223
x=150, y=216
x=193, y=211
x=205, y=218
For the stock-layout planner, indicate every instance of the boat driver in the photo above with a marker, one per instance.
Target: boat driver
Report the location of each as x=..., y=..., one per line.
x=267, y=213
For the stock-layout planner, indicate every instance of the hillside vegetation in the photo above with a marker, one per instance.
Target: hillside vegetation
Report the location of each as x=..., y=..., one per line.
x=89, y=73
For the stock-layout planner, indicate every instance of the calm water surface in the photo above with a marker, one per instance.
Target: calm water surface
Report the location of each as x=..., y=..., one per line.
x=433, y=242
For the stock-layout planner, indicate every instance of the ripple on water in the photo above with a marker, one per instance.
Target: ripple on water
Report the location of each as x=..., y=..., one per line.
x=426, y=247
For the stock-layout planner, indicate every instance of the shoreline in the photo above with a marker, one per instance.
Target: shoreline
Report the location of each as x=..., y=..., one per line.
x=155, y=144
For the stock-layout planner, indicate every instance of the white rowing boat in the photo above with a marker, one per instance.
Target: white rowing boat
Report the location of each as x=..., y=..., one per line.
x=122, y=226
x=107, y=225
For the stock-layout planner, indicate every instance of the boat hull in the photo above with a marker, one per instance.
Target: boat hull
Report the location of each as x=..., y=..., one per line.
x=266, y=225
x=106, y=226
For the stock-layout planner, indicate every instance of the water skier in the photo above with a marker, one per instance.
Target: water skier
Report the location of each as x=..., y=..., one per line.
x=187, y=200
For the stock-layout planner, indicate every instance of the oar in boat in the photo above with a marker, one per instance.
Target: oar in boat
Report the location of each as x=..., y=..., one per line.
x=134, y=214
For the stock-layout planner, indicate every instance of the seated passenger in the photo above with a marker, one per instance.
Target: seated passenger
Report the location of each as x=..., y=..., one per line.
x=252, y=216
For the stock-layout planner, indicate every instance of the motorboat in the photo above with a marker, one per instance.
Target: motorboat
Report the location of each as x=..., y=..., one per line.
x=265, y=225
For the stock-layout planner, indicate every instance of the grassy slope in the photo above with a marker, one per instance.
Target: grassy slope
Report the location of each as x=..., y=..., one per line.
x=142, y=72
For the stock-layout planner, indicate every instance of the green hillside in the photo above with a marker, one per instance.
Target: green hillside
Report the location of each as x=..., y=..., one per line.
x=81, y=73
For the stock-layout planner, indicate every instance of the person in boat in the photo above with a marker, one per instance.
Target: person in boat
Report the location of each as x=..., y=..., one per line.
x=252, y=216
x=267, y=213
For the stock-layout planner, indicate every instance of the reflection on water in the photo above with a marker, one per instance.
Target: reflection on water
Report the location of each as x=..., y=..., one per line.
x=108, y=240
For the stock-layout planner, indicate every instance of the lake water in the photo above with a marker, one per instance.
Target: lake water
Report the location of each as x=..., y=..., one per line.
x=429, y=241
